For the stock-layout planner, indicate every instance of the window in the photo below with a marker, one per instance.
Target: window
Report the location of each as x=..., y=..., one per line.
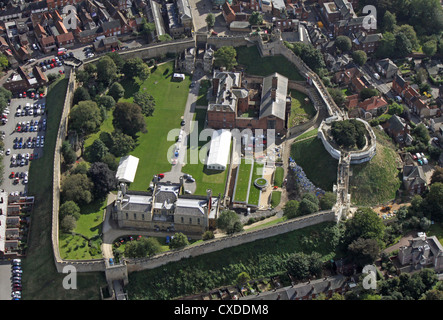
x=135, y=216
x=126, y=215
x=198, y=220
x=190, y=220
x=182, y=220
x=143, y=216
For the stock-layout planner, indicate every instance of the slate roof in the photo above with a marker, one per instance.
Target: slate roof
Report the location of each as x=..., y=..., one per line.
x=268, y=105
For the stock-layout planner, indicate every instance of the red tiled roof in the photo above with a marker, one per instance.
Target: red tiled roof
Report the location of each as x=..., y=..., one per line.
x=373, y=103
x=65, y=37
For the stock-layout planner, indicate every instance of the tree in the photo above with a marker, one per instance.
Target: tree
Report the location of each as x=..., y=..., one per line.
x=343, y=43
x=106, y=70
x=135, y=67
x=430, y=48
x=146, y=102
x=437, y=175
x=69, y=208
x=164, y=37
x=291, y=209
x=106, y=102
x=85, y=118
x=69, y=155
x=77, y=188
x=68, y=224
x=365, y=224
x=256, y=18
x=434, y=202
x=178, y=241
x=338, y=96
x=403, y=45
x=225, y=57
x=298, y=266
x=103, y=178
x=328, y=200
x=243, y=278
x=410, y=33
x=359, y=57
x=122, y=144
x=128, y=118
x=389, y=21
x=349, y=133
x=118, y=60
x=80, y=94
x=228, y=221
x=210, y=20
x=97, y=151
x=208, y=235
x=364, y=251
x=315, y=264
x=145, y=247
x=395, y=108
x=421, y=133
x=426, y=16
x=4, y=62
x=367, y=93
x=116, y=91
x=386, y=48
x=307, y=207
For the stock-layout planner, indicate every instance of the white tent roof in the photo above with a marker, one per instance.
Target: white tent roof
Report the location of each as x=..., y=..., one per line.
x=126, y=169
x=220, y=145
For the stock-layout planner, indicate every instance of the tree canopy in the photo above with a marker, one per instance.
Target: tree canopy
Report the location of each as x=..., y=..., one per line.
x=85, y=118
x=128, y=118
x=225, y=57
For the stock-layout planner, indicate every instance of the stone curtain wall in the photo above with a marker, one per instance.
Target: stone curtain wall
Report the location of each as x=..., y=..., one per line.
x=84, y=265
x=151, y=51
x=229, y=241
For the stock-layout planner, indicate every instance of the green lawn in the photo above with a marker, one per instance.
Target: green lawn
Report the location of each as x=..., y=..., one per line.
x=436, y=230
x=275, y=198
x=89, y=225
x=205, y=178
x=254, y=192
x=243, y=173
x=301, y=111
x=279, y=176
x=256, y=65
x=316, y=162
x=106, y=126
x=377, y=181
x=170, y=101
x=202, y=93
x=40, y=278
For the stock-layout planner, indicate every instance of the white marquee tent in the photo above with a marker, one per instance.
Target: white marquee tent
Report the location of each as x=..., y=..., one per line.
x=219, y=151
x=127, y=169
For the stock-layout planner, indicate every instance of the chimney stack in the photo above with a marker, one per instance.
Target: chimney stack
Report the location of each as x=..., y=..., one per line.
x=274, y=94
x=274, y=82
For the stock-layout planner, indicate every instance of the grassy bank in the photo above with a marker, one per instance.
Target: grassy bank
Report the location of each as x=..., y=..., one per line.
x=316, y=162
x=377, y=181
x=258, y=66
x=40, y=277
x=261, y=258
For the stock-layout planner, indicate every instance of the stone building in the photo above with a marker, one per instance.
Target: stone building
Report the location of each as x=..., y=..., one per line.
x=166, y=208
x=422, y=252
